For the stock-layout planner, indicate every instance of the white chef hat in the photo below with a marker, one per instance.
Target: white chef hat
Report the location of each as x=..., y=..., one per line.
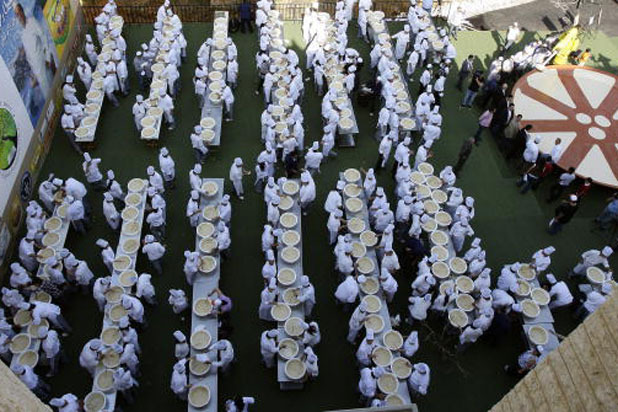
x=102, y=243
x=238, y=161
x=164, y=151
x=272, y=333
x=150, y=170
x=370, y=334
x=179, y=336
x=607, y=251
x=272, y=284
x=486, y=293
x=551, y=278
x=362, y=279
x=197, y=168
x=149, y=238
x=68, y=78
x=549, y=250
x=108, y=196
x=305, y=280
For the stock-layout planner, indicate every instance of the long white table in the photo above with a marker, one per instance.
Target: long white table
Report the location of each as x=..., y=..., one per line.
x=86, y=131
x=211, y=109
x=203, y=286
x=158, y=82
x=62, y=231
x=335, y=74
x=285, y=383
x=363, y=214
x=375, y=29
x=110, y=396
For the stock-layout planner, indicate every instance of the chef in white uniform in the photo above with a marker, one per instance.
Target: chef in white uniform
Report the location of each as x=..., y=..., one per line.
x=167, y=166
x=559, y=293
x=269, y=347
x=419, y=379
x=593, y=257
x=178, y=300
x=191, y=265
x=112, y=216
x=236, y=174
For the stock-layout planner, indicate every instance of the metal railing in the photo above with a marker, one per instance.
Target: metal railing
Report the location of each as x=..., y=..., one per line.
x=193, y=13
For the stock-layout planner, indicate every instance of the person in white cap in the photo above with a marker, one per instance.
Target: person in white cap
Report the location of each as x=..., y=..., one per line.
x=347, y=291
x=334, y=201
x=541, y=259
x=90, y=355
x=269, y=347
x=112, y=216
x=167, y=105
x=526, y=361
x=312, y=335
x=388, y=283
x=228, y=99
x=84, y=71
x=390, y=261
x=423, y=283
x=67, y=121
x=134, y=307
x=365, y=349
x=369, y=183
x=191, y=265
x=181, y=347
x=335, y=219
x=410, y=345
x=69, y=90
x=101, y=285
x=110, y=84
x=155, y=179
x=307, y=295
x=155, y=251
x=200, y=150
x=474, y=250
x=178, y=300
x=418, y=307
x=76, y=214
x=156, y=222
x=402, y=38
x=226, y=355
x=236, y=174
x=559, y=292
x=167, y=166
x=272, y=211
x=66, y=403
x=139, y=111
x=225, y=210
x=268, y=298
x=107, y=254
x=90, y=50
x=193, y=209
x=367, y=384
x=458, y=232
x=307, y=191
x=593, y=257
x=419, y=379
x=113, y=187
x=46, y=193
x=224, y=239
x=83, y=275
x=145, y=289
x=594, y=299
x=357, y=321
x=423, y=153
x=179, y=382
x=125, y=383
x=311, y=363
x=32, y=381
x=50, y=344
x=313, y=158
x=531, y=152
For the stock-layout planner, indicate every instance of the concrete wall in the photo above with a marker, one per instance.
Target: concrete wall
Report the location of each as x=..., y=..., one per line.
x=15, y=397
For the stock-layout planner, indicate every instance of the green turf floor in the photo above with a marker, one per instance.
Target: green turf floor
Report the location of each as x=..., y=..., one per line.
x=511, y=226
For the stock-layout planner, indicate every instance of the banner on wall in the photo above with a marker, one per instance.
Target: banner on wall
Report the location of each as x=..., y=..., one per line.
x=29, y=52
x=59, y=18
x=15, y=134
